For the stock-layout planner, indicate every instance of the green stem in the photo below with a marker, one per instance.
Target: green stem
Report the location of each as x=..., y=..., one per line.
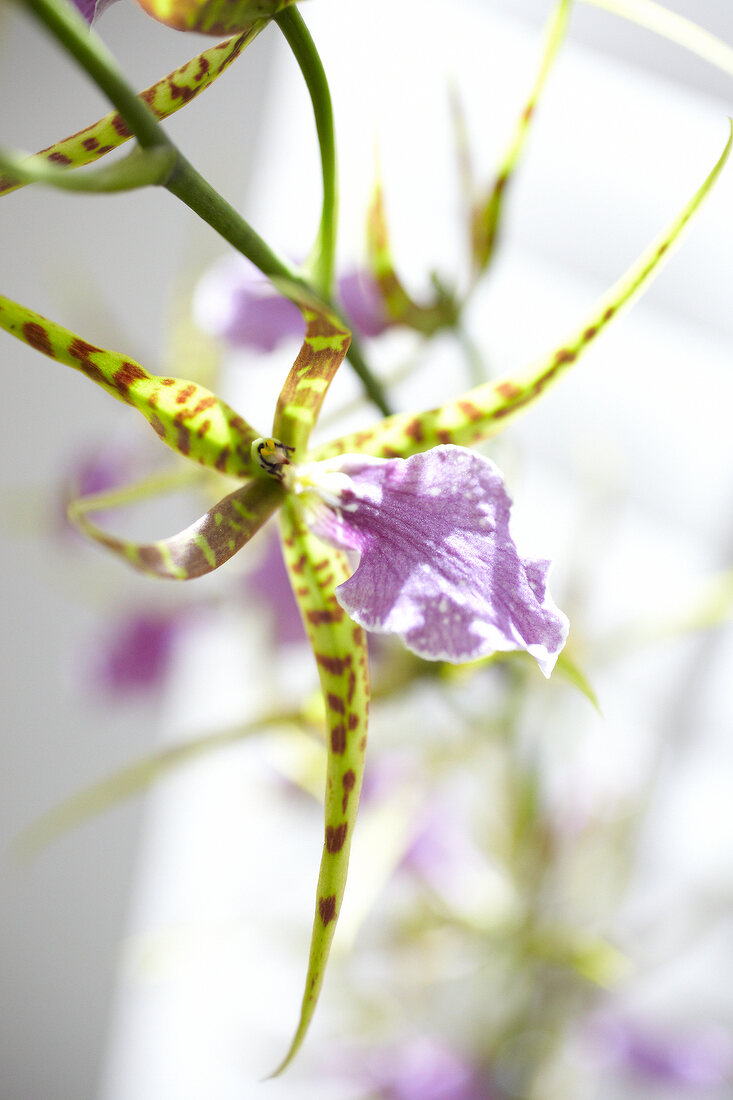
x=66, y=25
x=291, y=23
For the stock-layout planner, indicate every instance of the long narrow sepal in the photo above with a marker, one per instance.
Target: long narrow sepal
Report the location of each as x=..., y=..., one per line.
x=487, y=211
x=141, y=168
x=400, y=306
x=487, y=409
x=324, y=347
x=340, y=650
x=164, y=98
x=188, y=418
x=657, y=18
x=200, y=548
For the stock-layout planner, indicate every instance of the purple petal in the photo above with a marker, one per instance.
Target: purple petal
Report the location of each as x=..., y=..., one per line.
x=91, y=9
x=363, y=303
x=438, y=565
x=237, y=304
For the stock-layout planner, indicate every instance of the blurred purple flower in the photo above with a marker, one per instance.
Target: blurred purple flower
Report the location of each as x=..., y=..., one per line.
x=136, y=652
x=423, y=1069
x=438, y=566
x=235, y=303
x=690, y=1061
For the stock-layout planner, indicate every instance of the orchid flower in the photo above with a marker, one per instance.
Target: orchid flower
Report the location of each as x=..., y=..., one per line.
x=427, y=518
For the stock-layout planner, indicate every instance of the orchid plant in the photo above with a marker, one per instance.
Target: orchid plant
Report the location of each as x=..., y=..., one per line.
x=400, y=528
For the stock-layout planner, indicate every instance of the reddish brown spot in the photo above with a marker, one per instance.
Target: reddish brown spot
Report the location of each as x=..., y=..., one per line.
x=414, y=430
x=564, y=355
x=335, y=665
x=358, y=635
x=338, y=739
x=238, y=425
x=104, y=149
x=183, y=395
x=167, y=381
x=444, y=436
x=203, y=68
x=120, y=126
x=352, y=687
x=222, y=459
x=302, y=591
x=157, y=426
x=609, y=313
x=662, y=248
x=336, y=704
x=508, y=390
x=184, y=439
x=90, y=144
x=469, y=410
x=181, y=91
x=321, y=618
x=590, y=332
x=59, y=158
x=299, y=565
x=353, y=721
x=126, y=375
x=335, y=837
x=527, y=112
x=348, y=782
x=321, y=564
x=204, y=403
x=327, y=908
x=37, y=337
x=203, y=429
x=363, y=743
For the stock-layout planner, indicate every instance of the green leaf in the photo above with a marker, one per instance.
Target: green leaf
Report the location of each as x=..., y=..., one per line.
x=214, y=16
x=339, y=646
x=188, y=418
x=676, y=28
x=200, y=548
x=164, y=98
x=487, y=409
x=487, y=211
x=324, y=347
x=574, y=675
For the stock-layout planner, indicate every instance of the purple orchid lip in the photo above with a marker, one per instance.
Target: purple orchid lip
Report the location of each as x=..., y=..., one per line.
x=438, y=565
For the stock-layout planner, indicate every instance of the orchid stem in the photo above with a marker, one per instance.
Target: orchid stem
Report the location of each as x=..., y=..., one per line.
x=298, y=37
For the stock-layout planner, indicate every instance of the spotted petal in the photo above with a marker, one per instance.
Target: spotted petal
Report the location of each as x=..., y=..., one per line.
x=164, y=98
x=438, y=564
x=487, y=409
x=189, y=418
x=201, y=547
